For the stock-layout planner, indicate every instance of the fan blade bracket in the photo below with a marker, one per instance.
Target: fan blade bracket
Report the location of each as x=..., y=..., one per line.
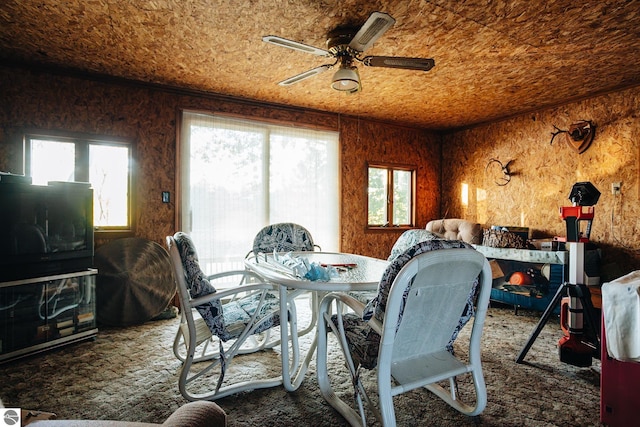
x=306, y=75
x=375, y=26
x=290, y=44
x=419, y=64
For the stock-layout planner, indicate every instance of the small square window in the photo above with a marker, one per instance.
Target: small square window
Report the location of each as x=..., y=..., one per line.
x=391, y=196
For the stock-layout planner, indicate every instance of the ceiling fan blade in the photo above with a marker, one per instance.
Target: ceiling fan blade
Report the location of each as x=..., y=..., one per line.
x=420, y=64
x=290, y=44
x=305, y=75
x=377, y=24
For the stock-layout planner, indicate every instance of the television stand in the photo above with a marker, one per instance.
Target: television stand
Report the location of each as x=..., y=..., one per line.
x=41, y=313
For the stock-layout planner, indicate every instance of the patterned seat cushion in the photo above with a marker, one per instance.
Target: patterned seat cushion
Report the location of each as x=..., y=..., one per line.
x=283, y=237
x=363, y=342
x=226, y=321
x=363, y=296
x=237, y=314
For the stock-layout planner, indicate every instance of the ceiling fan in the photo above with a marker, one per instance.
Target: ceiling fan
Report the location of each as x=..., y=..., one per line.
x=346, y=44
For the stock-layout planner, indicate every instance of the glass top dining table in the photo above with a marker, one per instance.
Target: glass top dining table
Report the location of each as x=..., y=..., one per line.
x=354, y=273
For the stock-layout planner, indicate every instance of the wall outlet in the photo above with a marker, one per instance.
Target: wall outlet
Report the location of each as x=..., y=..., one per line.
x=615, y=188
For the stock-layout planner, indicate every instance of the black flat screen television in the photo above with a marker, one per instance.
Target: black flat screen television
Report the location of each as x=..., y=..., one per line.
x=45, y=230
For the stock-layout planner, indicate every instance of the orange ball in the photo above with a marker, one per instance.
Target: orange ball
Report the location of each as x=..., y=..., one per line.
x=520, y=278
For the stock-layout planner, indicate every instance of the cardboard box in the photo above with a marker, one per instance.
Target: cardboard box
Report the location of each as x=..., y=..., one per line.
x=591, y=280
x=496, y=274
x=544, y=244
x=496, y=271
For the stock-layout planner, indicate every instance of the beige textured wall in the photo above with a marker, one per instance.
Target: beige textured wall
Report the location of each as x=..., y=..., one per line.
x=544, y=173
x=149, y=117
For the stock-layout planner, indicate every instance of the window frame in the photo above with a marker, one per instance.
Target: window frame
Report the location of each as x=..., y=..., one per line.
x=390, y=169
x=184, y=218
x=82, y=141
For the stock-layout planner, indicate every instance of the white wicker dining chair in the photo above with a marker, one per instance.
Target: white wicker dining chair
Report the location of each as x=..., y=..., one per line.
x=283, y=237
x=406, y=240
x=406, y=333
x=215, y=325
x=288, y=237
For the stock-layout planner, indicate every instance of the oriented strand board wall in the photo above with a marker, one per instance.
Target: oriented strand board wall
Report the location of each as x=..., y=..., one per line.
x=44, y=101
x=149, y=118
x=544, y=173
x=365, y=142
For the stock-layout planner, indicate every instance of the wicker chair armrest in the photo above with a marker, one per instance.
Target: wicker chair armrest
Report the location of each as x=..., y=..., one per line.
x=230, y=292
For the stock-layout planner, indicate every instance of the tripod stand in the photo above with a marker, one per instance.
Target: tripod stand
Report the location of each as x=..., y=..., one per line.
x=578, y=291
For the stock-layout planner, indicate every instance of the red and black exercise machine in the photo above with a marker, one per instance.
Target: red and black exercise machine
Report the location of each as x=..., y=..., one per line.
x=575, y=347
x=583, y=196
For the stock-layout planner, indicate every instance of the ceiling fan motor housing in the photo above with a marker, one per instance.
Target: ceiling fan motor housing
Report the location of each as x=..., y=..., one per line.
x=338, y=42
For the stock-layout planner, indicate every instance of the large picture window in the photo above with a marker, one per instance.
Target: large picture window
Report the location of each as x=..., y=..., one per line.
x=239, y=175
x=103, y=162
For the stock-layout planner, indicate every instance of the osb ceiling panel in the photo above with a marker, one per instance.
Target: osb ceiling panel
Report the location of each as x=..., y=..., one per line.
x=493, y=58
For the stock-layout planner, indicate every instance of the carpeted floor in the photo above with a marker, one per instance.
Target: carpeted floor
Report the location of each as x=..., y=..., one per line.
x=131, y=374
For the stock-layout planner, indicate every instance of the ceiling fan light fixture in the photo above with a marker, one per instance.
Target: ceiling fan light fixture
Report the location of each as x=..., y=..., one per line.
x=346, y=79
